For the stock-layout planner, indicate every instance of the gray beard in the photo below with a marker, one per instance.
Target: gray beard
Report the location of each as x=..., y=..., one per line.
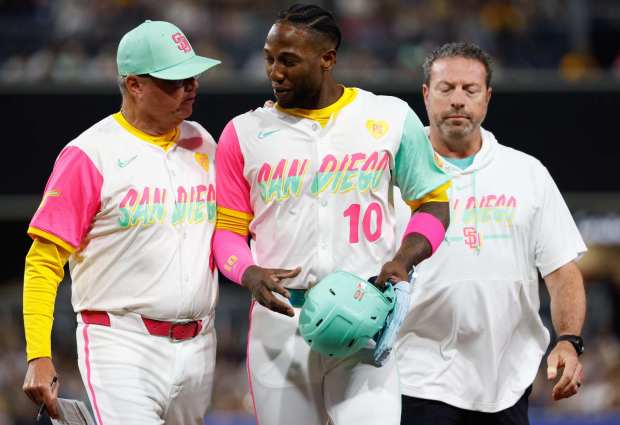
x=456, y=133
x=456, y=138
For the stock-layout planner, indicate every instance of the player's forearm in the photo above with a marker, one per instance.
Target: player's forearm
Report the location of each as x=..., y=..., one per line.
x=44, y=270
x=414, y=249
x=419, y=245
x=568, y=299
x=232, y=254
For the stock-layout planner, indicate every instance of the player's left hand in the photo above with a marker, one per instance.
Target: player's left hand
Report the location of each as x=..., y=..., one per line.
x=564, y=356
x=389, y=333
x=392, y=271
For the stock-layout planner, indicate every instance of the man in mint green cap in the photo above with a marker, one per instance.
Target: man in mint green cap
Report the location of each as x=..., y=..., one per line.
x=158, y=70
x=130, y=204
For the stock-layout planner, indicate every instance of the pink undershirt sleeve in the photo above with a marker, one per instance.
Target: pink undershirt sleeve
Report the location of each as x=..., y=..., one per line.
x=231, y=250
x=232, y=254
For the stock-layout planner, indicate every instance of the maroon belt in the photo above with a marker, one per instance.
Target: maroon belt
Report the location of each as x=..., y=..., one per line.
x=176, y=331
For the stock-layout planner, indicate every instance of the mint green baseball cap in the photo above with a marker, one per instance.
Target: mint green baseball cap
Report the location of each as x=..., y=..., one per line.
x=159, y=49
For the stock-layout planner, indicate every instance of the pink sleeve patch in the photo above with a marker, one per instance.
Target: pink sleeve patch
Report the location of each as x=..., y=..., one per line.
x=233, y=190
x=72, y=197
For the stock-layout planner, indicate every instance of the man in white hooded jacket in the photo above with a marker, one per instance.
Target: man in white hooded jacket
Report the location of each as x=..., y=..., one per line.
x=472, y=343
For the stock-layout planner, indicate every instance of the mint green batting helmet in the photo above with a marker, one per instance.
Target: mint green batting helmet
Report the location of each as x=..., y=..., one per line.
x=342, y=313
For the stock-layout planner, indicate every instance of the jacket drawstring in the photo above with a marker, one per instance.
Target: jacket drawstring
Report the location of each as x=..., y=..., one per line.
x=473, y=188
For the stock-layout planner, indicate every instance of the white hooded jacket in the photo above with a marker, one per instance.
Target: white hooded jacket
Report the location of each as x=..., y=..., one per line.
x=473, y=337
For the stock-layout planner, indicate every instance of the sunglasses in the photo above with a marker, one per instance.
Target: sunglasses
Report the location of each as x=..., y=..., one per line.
x=177, y=84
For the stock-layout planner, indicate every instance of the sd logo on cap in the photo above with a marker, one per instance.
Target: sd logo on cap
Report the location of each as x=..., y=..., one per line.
x=161, y=50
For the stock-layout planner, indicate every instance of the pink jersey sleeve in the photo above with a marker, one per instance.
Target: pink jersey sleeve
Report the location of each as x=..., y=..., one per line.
x=72, y=197
x=233, y=191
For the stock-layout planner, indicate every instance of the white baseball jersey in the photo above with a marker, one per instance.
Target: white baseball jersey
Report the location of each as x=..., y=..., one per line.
x=320, y=197
x=139, y=218
x=474, y=338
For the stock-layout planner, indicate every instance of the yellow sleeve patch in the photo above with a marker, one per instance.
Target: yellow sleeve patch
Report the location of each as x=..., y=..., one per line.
x=234, y=221
x=35, y=233
x=230, y=263
x=438, y=195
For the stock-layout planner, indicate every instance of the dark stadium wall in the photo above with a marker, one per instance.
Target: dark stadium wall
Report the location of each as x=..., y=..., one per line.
x=571, y=133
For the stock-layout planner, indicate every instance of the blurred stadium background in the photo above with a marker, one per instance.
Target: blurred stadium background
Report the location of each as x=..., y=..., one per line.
x=557, y=96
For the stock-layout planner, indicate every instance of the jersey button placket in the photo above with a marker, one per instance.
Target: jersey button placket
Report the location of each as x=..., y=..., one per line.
x=324, y=213
x=324, y=252
x=180, y=228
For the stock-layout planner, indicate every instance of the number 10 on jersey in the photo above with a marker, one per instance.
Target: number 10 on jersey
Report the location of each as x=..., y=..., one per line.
x=372, y=219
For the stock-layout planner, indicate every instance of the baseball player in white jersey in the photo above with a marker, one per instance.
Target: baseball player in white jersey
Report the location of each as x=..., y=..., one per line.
x=472, y=343
x=310, y=180
x=131, y=205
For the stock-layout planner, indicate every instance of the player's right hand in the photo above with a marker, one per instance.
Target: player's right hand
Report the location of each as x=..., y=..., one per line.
x=38, y=384
x=263, y=282
x=392, y=271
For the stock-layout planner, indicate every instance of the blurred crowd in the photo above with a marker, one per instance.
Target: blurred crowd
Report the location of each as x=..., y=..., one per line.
x=74, y=41
x=600, y=394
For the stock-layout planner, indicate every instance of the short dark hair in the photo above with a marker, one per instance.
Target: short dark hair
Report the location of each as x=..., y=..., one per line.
x=459, y=50
x=314, y=18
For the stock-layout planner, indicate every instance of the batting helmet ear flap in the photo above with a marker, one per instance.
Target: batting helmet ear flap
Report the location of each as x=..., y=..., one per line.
x=342, y=313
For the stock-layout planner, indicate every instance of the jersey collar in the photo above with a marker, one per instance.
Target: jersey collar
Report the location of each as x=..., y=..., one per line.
x=482, y=158
x=323, y=115
x=165, y=141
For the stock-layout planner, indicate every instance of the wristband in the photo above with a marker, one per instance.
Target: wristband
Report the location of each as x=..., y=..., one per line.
x=428, y=226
